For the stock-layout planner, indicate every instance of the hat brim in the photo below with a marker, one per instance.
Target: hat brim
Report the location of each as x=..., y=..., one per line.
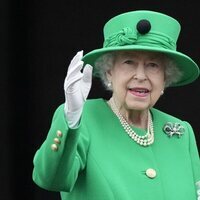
x=186, y=65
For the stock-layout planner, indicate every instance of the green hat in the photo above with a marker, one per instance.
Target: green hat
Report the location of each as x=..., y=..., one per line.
x=145, y=30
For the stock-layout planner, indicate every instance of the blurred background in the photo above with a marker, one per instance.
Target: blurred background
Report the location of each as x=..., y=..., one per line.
x=38, y=40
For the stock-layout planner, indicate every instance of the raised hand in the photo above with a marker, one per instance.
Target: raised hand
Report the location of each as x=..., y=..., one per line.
x=77, y=86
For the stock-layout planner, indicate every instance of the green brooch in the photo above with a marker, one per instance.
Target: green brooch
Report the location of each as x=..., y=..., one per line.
x=173, y=129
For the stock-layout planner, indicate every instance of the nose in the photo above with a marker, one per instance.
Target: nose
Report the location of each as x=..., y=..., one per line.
x=140, y=73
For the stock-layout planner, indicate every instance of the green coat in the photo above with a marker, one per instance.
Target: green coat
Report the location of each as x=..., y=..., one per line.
x=99, y=161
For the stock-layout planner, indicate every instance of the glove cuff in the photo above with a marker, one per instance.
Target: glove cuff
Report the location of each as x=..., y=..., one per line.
x=72, y=118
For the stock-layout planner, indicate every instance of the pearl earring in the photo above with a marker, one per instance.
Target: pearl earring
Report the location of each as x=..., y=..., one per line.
x=162, y=92
x=109, y=84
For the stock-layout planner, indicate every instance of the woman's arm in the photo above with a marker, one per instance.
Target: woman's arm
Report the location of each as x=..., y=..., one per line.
x=57, y=168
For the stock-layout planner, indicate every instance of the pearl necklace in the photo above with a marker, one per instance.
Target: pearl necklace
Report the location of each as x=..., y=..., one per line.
x=144, y=140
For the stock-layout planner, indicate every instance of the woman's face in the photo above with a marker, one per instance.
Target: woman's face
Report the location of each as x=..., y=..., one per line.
x=137, y=79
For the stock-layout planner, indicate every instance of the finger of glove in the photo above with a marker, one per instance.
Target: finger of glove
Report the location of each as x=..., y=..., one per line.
x=86, y=80
x=74, y=74
x=76, y=58
x=87, y=73
x=75, y=65
x=74, y=70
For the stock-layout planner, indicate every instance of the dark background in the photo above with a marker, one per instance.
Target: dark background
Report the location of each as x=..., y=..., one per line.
x=38, y=40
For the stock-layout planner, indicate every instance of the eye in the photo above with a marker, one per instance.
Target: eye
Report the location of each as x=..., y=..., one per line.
x=153, y=65
x=129, y=62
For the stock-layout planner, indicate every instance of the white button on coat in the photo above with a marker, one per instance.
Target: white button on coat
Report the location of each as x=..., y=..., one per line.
x=56, y=140
x=54, y=147
x=59, y=133
x=151, y=173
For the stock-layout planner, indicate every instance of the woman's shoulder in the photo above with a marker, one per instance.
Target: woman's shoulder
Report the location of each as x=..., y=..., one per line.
x=165, y=120
x=95, y=103
x=156, y=113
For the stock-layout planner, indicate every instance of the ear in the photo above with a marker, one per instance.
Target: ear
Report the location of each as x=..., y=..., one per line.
x=109, y=75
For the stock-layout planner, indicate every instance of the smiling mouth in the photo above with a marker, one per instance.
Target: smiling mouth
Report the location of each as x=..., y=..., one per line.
x=139, y=90
x=142, y=92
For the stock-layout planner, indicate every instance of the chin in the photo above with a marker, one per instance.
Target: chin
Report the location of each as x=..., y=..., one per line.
x=138, y=107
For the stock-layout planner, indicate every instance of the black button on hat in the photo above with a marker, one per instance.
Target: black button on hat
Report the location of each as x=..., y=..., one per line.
x=143, y=26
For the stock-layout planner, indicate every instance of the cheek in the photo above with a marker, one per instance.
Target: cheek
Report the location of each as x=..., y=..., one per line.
x=155, y=95
x=158, y=87
x=119, y=84
x=159, y=81
x=119, y=78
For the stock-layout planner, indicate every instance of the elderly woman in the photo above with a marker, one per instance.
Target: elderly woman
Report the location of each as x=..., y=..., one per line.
x=123, y=148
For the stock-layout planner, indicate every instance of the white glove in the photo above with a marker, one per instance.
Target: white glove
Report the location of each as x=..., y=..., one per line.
x=77, y=86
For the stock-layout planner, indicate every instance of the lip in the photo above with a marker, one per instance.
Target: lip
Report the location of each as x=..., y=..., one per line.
x=139, y=91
